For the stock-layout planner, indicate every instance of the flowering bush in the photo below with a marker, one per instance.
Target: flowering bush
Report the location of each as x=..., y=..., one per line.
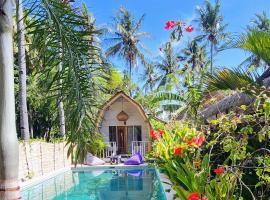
x=228, y=160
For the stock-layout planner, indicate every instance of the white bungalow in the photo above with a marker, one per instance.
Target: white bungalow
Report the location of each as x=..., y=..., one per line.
x=124, y=124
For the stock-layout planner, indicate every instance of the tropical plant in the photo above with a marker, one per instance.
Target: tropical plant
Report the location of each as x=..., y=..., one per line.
x=8, y=138
x=150, y=78
x=211, y=23
x=24, y=125
x=195, y=56
x=169, y=66
x=261, y=22
x=247, y=84
x=59, y=29
x=126, y=40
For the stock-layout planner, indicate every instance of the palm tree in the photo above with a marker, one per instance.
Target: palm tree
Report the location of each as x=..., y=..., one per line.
x=150, y=78
x=260, y=23
x=126, y=40
x=211, y=21
x=8, y=138
x=168, y=65
x=246, y=84
x=24, y=125
x=83, y=68
x=195, y=56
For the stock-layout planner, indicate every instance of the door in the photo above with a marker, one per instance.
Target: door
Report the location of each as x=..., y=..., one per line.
x=122, y=139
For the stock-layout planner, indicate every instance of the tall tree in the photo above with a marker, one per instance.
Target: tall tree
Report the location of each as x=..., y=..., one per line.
x=194, y=55
x=169, y=66
x=260, y=22
x=9, y=186
x=61, y=111
x=211, y=22
x=24, y=125
x=150, y=78
x=126, y=39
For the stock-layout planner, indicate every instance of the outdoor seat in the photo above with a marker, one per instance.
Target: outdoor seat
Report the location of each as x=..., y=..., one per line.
x=136, y=159
x=93, y=160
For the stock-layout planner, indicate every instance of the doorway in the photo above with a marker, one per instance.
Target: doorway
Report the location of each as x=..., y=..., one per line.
x=122, y=139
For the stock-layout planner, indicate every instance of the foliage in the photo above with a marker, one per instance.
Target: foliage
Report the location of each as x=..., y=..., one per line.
x=126, y=39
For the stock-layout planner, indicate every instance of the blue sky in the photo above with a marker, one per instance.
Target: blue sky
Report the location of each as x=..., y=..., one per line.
x=237, y=14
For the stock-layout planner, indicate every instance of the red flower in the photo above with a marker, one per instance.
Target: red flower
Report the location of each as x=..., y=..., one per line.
x=204, y=198
x=153, y=134
x=189, y=29
x=178, y=151
x=169, y=25
x=198, y=140
x=161, y=132
x=219, y=170
x=194, y=196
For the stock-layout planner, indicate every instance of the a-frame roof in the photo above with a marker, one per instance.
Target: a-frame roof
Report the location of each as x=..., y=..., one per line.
x=126, y=97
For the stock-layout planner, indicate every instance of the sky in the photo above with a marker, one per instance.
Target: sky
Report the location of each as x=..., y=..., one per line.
x=237, y=14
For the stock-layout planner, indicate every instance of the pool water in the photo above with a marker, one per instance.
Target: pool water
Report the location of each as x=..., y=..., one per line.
x=111, y=184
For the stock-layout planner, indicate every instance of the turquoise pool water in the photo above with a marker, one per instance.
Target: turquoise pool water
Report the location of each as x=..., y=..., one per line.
x=101, y=184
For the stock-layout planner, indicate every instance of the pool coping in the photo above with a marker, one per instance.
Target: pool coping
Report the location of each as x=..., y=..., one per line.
x=169, y=191
x=161, y=176
x=36, y=180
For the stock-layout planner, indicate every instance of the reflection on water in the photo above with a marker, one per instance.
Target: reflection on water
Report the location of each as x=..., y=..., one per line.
x=139, y=184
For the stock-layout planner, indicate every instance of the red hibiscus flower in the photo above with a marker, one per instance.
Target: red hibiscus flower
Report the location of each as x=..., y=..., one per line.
x=198, y=140
x=178, y=151
x=204, y=198
x=153, y=134
x=170, y=24
x=219, y=170
x=189, y=29
x=161, y=132
x=194, y=196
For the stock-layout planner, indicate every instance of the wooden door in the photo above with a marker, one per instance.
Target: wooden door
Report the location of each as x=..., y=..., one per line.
x=122, y=139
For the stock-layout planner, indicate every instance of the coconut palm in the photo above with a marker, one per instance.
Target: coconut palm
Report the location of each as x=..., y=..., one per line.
x=168, y=65
x=126, y=40
x=59, y=29
x=246, y=84
x=24, y=125
x=8, y=138
x=150, y=78
x=261, y=22
x=211, y=23
x=195, y=56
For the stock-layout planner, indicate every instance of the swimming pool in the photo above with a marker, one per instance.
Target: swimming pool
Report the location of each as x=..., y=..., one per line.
x=139, y=183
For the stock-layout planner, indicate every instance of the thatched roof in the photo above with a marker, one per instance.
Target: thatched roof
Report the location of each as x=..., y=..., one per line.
x=232, y=102
x=108, y=103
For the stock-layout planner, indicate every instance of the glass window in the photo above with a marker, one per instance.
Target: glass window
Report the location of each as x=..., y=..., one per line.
x=112, y=133
x=137, y=133
x=130, y=138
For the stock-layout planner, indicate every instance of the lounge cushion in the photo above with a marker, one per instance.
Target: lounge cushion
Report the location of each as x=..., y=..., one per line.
x=93, y=160
x=136, y=159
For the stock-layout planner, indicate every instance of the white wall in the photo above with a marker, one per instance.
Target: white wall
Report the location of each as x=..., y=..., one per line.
x=135, y=118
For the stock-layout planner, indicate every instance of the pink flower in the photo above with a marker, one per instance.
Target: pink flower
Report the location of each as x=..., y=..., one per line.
x=219, y=170
x=194, y=196
x=189, y=29
x=198, y=140
x=170, y=24
x=204, y=198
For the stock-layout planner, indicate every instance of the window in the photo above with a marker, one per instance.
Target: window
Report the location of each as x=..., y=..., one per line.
x=137, y=133
x=112, y=133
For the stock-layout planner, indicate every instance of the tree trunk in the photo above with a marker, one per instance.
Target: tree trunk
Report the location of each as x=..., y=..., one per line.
x=60, y=102
x=9, y=185
x=24, y=125
x=211, y=59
